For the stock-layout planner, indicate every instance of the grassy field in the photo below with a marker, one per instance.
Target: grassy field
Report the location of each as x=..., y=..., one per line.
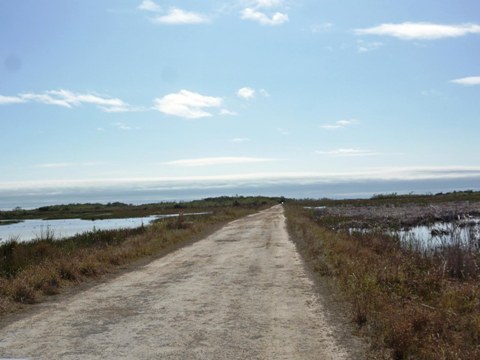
x=416, y=305
x=31, y=271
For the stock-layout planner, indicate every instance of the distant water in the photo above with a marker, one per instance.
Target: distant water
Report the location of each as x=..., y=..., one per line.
x=141, y=195
x=442, y=234
x=31, y=229
x=28, y=230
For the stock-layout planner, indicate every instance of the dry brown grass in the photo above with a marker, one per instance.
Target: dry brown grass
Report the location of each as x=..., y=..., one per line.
x=406, y=301
x=31, y=271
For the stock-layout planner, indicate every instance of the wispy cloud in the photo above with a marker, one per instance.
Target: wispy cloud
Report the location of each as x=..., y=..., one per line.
x=421, y=30
x=339, y=124
x=226, y=112
x=267, y=3
x=122, y=126
x=212, y=161
x=67, y=165
x=53, y=165
x=246, y=93
x=347, y=153
x=149, y=5
x=187, y=104
x=69, y=99
x=264, y=93
x=283, y=131
x=378, y=174
x=249, y=93
x=467, y=81
x=366, y=46
x=277, y=18
x=321, y=28
x=176, y=16
x=240, y=140
x=265, y=12
x=6, y=100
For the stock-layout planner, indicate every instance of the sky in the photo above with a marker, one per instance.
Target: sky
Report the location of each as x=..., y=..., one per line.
x=163, y=93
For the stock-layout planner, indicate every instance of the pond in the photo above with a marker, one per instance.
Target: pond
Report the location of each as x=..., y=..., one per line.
x=466, y=234
x=440, y=234
x=28, y=230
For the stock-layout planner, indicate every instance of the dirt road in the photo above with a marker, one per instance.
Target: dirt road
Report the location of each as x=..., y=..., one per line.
x=241, y=293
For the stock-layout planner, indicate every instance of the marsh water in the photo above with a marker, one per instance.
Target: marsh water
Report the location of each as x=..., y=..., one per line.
x=465, y=234
x=440, y=234
x=28, y=230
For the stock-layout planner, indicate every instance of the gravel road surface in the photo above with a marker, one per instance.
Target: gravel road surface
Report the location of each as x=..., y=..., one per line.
x=240, y=293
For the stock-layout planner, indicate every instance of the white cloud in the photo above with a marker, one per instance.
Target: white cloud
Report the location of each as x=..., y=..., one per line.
x=246, y=93
x=216, y=161
x=149, y=5
x=122, y=126
x=379, y=174
x=267, y=3
x=45, y=99
x=366, y=46
x=339, y=124
x=240, y=140
x=106, y=104
x=277, y=18
x=5, y=100
x=187, y=104
x=346, y=122
x=467, y=81
x=69, y=99
x=226, y=112
x=347, y=153
x=421, y=31
x=283, y=131
x=178, y=16
x=331, y=126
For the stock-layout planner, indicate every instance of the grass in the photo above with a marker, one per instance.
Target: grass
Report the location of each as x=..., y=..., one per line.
x=31, y=271
x=417, y=306
x=94, y=211
x=394, y=199
x=9, y=222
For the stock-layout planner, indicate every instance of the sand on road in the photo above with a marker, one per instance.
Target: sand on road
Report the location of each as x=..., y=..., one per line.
x=240, y=293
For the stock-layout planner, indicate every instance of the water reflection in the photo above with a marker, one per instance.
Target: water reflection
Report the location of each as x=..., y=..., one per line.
x=463, y=234
x=28, y=230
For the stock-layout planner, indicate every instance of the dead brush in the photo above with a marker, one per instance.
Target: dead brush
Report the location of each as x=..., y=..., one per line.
x=22, y=291
x=417, y=305
x=68, y=270
x=30, y=270
x=179, y=223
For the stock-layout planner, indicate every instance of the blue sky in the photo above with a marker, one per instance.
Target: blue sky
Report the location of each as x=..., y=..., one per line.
x=102, y=93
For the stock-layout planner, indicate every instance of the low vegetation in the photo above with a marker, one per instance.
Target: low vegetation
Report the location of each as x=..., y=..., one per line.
x=32, y=270
x=419, y=305
x=114, y=210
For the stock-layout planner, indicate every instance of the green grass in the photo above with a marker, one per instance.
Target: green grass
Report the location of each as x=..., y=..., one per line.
x=407, y=302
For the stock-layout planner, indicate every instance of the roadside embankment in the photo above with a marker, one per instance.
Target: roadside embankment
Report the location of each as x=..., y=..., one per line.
x=31, y=271
x=416, y=306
